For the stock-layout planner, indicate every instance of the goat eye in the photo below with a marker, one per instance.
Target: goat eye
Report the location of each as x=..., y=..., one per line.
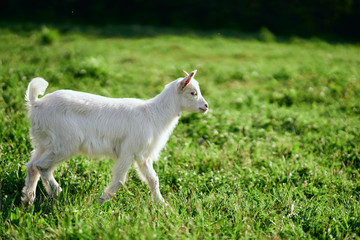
x=194, y=93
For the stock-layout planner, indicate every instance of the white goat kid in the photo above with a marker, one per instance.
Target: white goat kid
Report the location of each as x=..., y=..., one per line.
x=65, y=123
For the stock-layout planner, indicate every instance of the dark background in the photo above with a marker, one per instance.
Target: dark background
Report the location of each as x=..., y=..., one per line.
x=293, y=17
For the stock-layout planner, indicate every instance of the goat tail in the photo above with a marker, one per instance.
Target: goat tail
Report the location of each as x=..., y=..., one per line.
x=36, y=87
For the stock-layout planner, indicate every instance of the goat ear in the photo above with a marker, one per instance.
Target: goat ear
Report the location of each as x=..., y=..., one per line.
x=187, y=79
x=185, y=73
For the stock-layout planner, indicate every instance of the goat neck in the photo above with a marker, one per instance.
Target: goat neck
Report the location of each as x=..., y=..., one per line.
x=165, y=107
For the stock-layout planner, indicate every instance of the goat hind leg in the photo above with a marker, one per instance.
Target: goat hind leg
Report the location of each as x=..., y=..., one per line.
x=46, y=165
x=32, y=178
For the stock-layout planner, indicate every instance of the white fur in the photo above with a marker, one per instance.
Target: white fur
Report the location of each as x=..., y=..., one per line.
x=65, y=123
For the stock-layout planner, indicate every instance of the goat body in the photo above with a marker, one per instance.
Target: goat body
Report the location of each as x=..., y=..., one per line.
x=65, y=123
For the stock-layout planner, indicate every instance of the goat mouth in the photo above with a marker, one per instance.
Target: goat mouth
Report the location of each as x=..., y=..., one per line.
x=203, y=110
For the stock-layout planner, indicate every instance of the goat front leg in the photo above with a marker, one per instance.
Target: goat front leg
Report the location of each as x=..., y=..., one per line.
x=151, y=178
x=120, y=170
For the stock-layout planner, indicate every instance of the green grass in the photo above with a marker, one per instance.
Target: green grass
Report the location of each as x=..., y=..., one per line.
x=276, y=157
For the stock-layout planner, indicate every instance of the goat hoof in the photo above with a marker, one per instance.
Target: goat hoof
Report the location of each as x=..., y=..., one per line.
x=58, y=191
x=27, y=197
x=102, y=201
x=28, y=200
x=104, y=198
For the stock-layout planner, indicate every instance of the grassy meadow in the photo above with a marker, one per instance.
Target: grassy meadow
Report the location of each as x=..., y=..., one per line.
x=277, y=156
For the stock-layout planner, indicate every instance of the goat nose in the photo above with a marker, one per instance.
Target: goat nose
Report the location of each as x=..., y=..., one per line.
x=206, y=105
